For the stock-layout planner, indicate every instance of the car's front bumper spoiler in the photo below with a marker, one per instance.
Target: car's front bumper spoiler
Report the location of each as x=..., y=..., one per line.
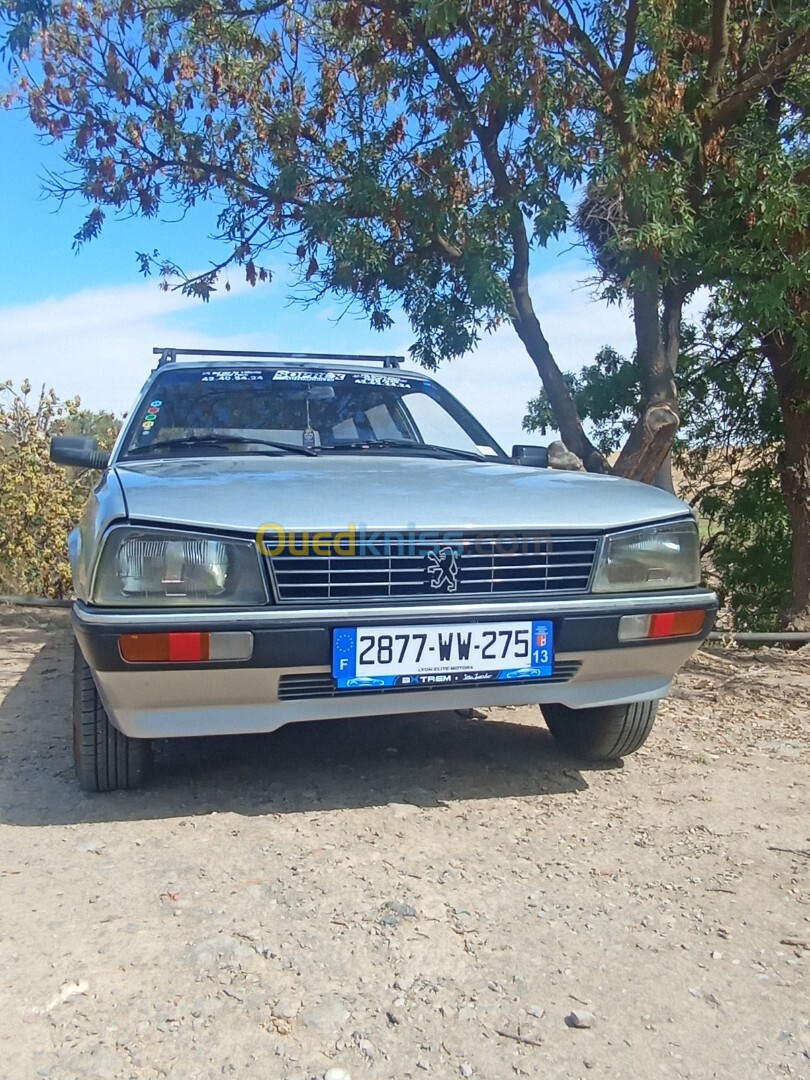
x=287, y=678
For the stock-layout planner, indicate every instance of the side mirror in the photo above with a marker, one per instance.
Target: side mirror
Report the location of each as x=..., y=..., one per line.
x=80, y=451
x=534, y=456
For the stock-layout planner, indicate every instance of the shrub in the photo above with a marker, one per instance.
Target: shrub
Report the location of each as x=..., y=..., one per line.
x=39, y=502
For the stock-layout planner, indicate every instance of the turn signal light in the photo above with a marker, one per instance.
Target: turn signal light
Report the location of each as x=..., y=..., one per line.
x=185, y=647
x=663, y=624
x=676, y=623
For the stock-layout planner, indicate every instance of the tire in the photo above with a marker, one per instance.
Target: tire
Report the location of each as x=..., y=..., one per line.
x=104, y=759
x=604, y=733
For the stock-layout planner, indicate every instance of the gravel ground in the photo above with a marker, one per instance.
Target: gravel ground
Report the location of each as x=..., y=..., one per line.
x=425, y=896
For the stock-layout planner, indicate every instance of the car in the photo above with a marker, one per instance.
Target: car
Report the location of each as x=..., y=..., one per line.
x=281, y=537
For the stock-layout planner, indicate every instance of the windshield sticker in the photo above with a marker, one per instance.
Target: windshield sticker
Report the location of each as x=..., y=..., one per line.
x=151, y=416
x=308, y=376
x=359, y=378
x=381, y=380
x=233, y=375
x=488, y=451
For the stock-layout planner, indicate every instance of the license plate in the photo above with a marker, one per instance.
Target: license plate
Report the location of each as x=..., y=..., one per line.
x=445, y=655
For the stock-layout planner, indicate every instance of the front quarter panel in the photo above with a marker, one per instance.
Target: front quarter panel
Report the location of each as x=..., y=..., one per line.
x=105, y=506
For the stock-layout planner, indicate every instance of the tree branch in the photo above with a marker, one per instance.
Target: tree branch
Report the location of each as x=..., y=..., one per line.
x=630, y=37
x=599, y=68
x=730, y=108
x=746, y=36
x=524, y=318
x=718, y=53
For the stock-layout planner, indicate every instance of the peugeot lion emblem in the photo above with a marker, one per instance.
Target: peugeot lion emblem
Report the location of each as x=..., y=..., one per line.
x=442, y=569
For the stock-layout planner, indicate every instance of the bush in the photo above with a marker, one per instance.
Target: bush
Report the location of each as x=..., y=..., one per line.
x=746, y=541
x=39, y=502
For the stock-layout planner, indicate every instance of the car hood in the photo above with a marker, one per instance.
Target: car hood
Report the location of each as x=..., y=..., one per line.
x=241, y=493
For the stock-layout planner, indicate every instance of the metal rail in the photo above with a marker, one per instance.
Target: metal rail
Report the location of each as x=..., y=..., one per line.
x=35, y=601
x=752, y=637
x=169, y=356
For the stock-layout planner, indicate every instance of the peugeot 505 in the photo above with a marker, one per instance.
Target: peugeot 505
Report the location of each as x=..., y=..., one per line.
x=278, y=538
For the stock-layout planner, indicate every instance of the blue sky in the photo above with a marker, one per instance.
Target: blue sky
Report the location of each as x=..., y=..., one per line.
x=85, y=323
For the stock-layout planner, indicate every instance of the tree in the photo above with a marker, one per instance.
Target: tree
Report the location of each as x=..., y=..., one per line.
x=728, y=457
x=763, y=262
x=748, y=193
x=414, y=152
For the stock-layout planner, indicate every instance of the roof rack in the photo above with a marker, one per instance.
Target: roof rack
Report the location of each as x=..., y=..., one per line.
x=169, y=356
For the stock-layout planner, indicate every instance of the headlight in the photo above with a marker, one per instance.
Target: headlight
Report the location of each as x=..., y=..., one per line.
x=146, y=567
x=658, y=557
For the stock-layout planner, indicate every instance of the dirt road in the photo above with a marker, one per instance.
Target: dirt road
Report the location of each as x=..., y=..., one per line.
x=425, y=897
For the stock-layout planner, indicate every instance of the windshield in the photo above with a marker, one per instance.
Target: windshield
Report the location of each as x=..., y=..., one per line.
x=229, y=410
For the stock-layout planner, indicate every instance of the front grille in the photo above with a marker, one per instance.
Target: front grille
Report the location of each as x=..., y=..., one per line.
x=393, y=566
x=320, y=684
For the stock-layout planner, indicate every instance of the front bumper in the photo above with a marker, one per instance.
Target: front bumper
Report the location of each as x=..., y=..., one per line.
x=288, y=677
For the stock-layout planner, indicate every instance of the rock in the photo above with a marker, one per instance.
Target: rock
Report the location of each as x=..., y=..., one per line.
x=328, y=1017
x=403, y=983
x=222, y=952
x=394, y=1017
x=536, y=1011
x=465, y=1069
x=286, y=1008
x=580, y=1018
x=336, y=1074
x=93, y=846
x=560, y=457
x=405, y=910
x=464, y=921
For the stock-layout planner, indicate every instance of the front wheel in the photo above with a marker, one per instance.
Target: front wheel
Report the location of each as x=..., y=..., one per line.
x=104, y=758
x=605, y=732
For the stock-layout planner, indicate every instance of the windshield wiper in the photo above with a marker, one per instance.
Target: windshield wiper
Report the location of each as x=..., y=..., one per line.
x=404, y=444
x=219, y=440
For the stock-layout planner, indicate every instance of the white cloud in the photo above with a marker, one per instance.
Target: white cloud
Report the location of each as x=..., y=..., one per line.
x=98, y=343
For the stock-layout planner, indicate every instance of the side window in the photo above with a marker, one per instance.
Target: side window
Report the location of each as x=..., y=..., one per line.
x=434, y=424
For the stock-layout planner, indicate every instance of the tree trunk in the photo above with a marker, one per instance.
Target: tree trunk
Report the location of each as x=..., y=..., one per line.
x=793, y=386
x=527, y=325
x=671, y=325
x=651, y=439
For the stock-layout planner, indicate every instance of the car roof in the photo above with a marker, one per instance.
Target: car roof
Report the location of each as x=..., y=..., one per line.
x=283, y=363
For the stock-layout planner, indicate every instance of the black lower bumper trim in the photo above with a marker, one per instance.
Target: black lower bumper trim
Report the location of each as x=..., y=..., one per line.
x=292, y=647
